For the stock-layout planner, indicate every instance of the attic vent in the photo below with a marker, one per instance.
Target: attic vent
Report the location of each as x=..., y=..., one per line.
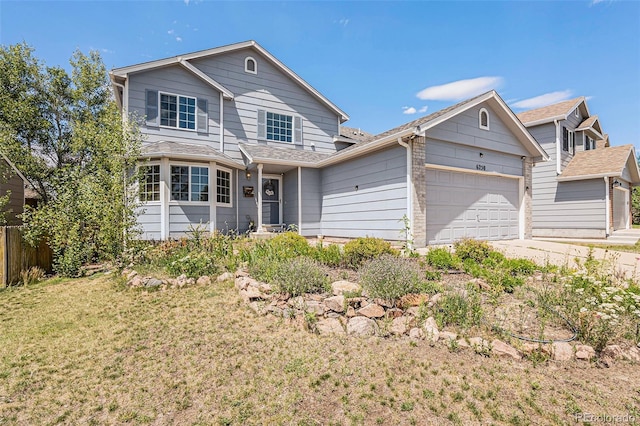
x=250, y=65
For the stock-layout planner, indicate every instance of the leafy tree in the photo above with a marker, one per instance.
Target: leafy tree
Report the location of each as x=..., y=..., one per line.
x=65, y=133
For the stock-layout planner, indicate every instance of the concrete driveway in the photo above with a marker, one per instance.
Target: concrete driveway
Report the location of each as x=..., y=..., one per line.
x=542, y=252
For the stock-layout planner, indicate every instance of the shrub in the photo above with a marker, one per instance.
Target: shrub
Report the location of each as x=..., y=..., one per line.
x=458, y=309
x=357, y=251
x=468, y=248
x=389, y=277
x=289, y=244
x=442, y=258
x=32, y=276
x=299, y=276
x=330, y=255
x=194, y=265
x=520, y=266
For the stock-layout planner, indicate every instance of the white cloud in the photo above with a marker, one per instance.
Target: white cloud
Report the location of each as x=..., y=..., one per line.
x=423, y=109
x=170, y=32
x=459, y=90
x=104, y=50
x=544, y=100
x=178, y=38
x=408, y=110
x=187, y=2
x=343, y=22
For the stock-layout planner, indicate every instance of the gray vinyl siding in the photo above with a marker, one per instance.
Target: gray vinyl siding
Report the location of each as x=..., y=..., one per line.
x=15, y=184
x=269, y=90
x=570, y=123
x=247, y=206
x=464, y=129
x=575, y=205
x=149, y=221
x=455, y=155
x=290, y=197
x=184, y=217
x=378, y=204
x=174, y=80
x=311, y=202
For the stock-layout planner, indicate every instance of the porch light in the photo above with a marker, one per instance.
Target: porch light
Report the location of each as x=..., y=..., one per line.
x=248, y=174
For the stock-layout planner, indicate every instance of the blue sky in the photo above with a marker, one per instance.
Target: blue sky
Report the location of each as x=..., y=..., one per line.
x=384, y=63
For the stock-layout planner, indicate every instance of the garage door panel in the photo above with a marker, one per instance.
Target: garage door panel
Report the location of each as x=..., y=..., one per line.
x=472, y=205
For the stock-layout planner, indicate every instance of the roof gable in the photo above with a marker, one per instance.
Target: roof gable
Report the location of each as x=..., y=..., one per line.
x=119, y=74
x=558, y=111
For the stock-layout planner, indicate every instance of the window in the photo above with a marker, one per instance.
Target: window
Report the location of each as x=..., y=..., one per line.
x=150, y=185
x=177, y=111
x=223, y=186
x=483, y=119
x=568, y=141
x=589, y=143
x=279, y=127
x=577, y=112
x=189, y=183
x=250, y=65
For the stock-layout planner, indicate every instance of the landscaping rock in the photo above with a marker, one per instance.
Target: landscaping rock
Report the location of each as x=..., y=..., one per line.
x=384, y=303
x=242, y=283
x=433, y=300
x=315, y=297
x=531, y=347
x=136, y=281
x=401, y=325
x=131, y=274
x=501, y=349
x=317, y=308
x=482, y=284
x=351, y=312
x=340, y=287
x=265, y=288
x=479, y=344
x=153, y=282
x=372, y=310
x=250, y=293
x=462, y=343
x=224, y=277
x=361, y=326
x=257, y=308
x=448, y=336
x=328, y=326
x=335, y=303
x=413, y=311
x=416, y=334
x=561, y=351
x=241, y=273
x=612, y=352
x=431, y=329
x=632, y=354
x=394, y=313
x=585, y=352
x=204, y=280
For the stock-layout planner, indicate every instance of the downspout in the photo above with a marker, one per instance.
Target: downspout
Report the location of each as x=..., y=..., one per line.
x=409, y=193
x=125, y=104
x=221, y=123
x=607, y=205
x=237, y=201
x=558, y=148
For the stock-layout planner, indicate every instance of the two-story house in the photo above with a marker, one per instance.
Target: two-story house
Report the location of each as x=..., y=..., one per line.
x=585, y=190
x=234, y=138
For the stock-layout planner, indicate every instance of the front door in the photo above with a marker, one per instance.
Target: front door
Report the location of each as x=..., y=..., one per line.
x=271, y=200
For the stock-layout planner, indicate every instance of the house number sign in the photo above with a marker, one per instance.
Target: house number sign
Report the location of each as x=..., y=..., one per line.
x=481, y=167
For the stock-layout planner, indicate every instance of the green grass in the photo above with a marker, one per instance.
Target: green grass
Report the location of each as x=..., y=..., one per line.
x=89, y=351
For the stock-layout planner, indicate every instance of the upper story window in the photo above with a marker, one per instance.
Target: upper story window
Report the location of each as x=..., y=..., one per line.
x=150, y=184
x=176, y=111
x=568, y=140
x=577, y=112
x=250, y=65
x=589, y=143
x=278, y=127
x=483, y=119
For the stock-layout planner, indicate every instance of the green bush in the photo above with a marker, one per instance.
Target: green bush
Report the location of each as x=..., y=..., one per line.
x=299, y=276
x=458, y=309
x=520, y=266
x=441, y=258
x=330, y=255
x=388, y=277
x=357, y=251
x=194, y=265
x=289, y=245
x=468, y=248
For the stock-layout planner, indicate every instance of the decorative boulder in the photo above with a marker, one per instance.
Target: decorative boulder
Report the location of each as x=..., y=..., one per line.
x=372, y=310
x=340, y=287
x=335, y=303
x=501, y=349
x=361, y=326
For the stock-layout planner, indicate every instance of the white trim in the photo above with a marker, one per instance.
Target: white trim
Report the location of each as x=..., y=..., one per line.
x=558, y=148
x=409, y=158
x=260, y=228
x=576, y=112
x=230, y=203
x=177, y=126
x=255, y=65
x=213, y=207
x=189, y=202
x=627, y=204
x=521, y=209
x=487, y=127
x=299, y=200
x=476, y=172
x=607, y=205
x=165, y=196
x=586, y=177
x=226, y=92
x=191, y=157
x=148, y=164
x=221, y=123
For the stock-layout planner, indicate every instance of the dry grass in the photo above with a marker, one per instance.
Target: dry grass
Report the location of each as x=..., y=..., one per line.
x=90, y=351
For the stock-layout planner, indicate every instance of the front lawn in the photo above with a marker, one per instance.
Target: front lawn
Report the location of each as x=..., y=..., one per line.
x=91, y=351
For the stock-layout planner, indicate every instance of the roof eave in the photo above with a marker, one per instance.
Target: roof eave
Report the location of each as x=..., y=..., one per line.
x=197, y=157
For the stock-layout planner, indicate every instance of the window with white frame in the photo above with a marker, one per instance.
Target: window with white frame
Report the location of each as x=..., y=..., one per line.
x=177, y=111
x=568, y=140
x=483, y=119
x=189, y=183
x=150, y=184
x=577, y=112
x=223, y=186
x=250, y=65
x=589, y=143
x=279, y=127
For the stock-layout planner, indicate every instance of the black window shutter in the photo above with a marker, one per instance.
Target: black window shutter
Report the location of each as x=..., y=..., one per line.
x=151, y=111
x=565, y=139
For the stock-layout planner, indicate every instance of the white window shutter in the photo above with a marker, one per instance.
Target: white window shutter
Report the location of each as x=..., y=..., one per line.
x=262, y=124
x=151, y=110
x=203, y=117
x=297, y=130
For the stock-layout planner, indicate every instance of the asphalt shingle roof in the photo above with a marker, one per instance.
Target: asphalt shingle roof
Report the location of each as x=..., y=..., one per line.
x=561, y=108
x=186, y=149
x=356, y=134
x=600, y=162
x=263, y=152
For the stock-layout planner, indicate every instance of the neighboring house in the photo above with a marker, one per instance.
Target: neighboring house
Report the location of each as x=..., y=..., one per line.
x=235, y=138
x=12, y=182
x=585, y=190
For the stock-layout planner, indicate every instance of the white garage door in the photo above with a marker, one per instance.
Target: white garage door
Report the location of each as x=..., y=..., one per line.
x=620, y=208
x=470, y=205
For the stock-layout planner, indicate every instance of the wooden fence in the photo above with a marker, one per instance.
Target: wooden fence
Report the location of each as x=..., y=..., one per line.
x=17, y=256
